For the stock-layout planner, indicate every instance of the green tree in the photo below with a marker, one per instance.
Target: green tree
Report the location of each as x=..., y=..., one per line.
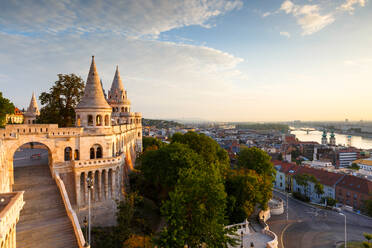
x=161, y=167
x=60, y=102
x=195, y=212
x=244, y=193
x=6, y=107
x=354, y=166
x=368, y=206
x=368, y=236
x=257, y=160
x=319, y=188
x=205, y=146
x=303, y=180
x=150, y=143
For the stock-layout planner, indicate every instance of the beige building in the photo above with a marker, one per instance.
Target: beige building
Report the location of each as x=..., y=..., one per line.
x=102, y=147
x=15, y=118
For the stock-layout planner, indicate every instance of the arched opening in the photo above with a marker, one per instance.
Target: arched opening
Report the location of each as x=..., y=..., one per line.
x=126, y=109
x=76, y=155
x=122, y=109
x=78, y=121
x=107, y=120
x=99, y=152
x=32, y=175
x=99, y=120
x=113, y=109
x=68, y=153
x=92, y=153
x=90, y=120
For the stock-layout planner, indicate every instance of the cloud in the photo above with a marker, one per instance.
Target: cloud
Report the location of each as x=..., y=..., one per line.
x=163, y=79
x=286, y=34
x=134, y=18
x=349, y=5
x=266, y=14
x=307, y=16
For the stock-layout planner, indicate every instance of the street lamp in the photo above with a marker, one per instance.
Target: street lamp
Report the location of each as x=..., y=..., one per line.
x=345, y=229
x=85, y=222
x=241, y=236
x=287, y=207
x=90, y=187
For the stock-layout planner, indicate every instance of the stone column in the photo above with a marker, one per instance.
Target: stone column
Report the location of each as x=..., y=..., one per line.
x=85, y=188
x=77, y=188
x=100, y=185
x=106, y=184
x=113, y=184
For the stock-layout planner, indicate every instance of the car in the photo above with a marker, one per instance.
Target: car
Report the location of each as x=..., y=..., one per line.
x=35, y=156
x=337, y=209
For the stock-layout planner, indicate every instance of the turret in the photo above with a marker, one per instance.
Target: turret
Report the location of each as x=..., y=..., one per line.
x=93, y=111
x=332, y=139
x=117, y=97
x=324, y=138
x=32, y=111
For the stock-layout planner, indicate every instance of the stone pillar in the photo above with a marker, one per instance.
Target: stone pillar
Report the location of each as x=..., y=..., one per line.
x=113, y=183
x=85, y=188
x=106, y=185
x=100, y=185
x=77, y=188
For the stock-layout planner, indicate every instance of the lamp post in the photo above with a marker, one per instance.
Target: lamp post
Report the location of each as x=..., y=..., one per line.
x=241, y=236
x=90, y=187
x=345, y=229
x=287, y=207
x=85, y=222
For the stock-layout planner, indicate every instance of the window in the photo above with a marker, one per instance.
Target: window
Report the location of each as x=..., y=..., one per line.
x=98, y=120
x=78, y=120
x=99, y=152
x=122, y=109
x=76, y=155
x=68, y=153
x=92, y=153
x=107, y=120
x=90, y=120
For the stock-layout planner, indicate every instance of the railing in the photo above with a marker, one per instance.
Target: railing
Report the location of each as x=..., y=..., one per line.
x=9, y=215
x=97, y=161
x=266, y=230
x=70, y=212
x=244, y=226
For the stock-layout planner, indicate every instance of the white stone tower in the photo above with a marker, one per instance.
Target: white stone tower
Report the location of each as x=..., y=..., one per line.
x=324, y=138
x=332, y=139
x=118, y=99
x=32, y=111
x=93, y=111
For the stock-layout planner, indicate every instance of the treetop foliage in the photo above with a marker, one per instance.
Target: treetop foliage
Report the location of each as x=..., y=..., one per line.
x=6, y=107
x=61, y=100
x=149, y=143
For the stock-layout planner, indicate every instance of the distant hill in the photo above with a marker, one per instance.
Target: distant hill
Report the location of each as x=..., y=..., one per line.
x=161, y=123
x=263, y=126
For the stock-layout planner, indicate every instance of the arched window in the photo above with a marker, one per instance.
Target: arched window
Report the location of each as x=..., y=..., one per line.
x=76, y=155
x=122, y=109
x=107, y=120
x=78, y=120
x=68, y=153
x=113, y=109
x=126, y=109
x=92, y=153
x=116, y=109
x=131, y=121
x=99, y=152
x=90, y=120
x=139, y=134
x=99, y=120
x=118, y=121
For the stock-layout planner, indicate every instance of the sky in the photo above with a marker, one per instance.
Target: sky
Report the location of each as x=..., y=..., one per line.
x=217, y=60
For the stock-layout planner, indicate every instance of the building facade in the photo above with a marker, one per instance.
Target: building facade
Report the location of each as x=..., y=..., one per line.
x=102, y=147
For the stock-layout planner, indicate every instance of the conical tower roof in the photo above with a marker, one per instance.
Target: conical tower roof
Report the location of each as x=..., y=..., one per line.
x=33, y=109
x=93, y=94
x=117, y=83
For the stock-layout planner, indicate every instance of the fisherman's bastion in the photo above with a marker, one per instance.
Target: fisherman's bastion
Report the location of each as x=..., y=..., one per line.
x=45, y=205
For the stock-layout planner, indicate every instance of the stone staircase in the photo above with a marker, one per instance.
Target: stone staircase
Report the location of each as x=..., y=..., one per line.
x=43, y=221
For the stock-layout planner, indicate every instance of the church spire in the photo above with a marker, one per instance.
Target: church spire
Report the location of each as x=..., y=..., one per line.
x=93, y=94
x=117, y=83
x=33, y=108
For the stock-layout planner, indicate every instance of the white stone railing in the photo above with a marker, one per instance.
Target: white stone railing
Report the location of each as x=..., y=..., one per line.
x=10, y=214
x=263, y=216
x=97, y=162
x=244, y=226
x=70, y=212
x=15, y=130
x=276, y=206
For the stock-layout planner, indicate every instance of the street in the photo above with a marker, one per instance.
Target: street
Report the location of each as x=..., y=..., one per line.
x=22, y=157
x=310, y=227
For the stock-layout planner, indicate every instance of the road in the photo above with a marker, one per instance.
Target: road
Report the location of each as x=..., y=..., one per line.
x=22, y=157
x=310, y=227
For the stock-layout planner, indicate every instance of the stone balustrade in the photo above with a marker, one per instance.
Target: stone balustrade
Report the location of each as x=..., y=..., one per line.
x=240, y=227
x=263, y=216
x=51, y=130
x=70, y=212
x=99, y=162
x=11, y=204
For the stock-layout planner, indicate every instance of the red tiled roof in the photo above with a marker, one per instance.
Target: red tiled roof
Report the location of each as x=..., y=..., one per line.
x=285, y=167
x=356, y=184
x=324, y=177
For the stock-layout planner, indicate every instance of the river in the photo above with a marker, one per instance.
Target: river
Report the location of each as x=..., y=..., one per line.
x=341, y=139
